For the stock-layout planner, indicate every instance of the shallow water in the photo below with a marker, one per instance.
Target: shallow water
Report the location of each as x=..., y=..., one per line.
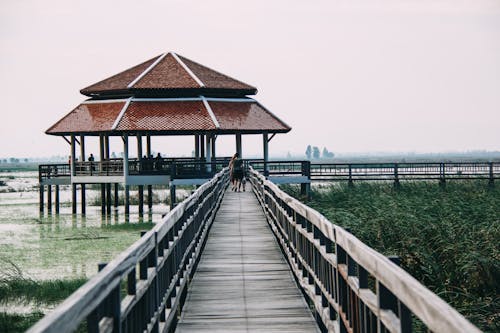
x=65, y=245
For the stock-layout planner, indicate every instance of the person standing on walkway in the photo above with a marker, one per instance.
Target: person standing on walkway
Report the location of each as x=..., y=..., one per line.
x=231, y=174
x=237, y=172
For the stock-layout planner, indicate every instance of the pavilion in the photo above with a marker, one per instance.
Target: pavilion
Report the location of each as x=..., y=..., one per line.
x=163, y=96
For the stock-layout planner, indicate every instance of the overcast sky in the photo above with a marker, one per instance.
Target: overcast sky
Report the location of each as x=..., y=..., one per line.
x=354, y=76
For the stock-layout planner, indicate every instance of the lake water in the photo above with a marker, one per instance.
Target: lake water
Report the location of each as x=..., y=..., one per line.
x=65, y=245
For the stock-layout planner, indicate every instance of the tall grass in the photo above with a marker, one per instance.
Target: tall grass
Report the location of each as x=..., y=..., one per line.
x=448, y=238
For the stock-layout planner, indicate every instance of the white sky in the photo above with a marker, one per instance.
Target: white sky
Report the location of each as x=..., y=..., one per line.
x=354, y=76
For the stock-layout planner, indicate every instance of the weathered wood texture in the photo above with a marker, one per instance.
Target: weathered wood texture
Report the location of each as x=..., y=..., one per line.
x=243, y=283
x=333, y=268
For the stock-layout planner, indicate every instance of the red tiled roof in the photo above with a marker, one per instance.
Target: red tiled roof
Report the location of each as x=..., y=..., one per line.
x=166, y=73
x=88, y=118
x=120, y=81
x=214, y=79
x=165, y=116
x=246, y=116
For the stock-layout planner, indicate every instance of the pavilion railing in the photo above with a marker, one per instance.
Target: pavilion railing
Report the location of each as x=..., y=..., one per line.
x=49, y=171
x=351, y=287
x=143, y=289
x=112, y=167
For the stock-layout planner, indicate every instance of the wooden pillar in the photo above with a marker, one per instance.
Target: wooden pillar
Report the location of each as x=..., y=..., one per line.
x=209, y=152
x=100, y=169
x=108, y=185
x=197, y=146
x=202, y=146
x=150, y=187
x=41, y=198
x=141, y=187
x=57, y=199
x=49, y=199
x=265, y=142
x=125, y=173
x=238, y=145
x=213, y=146
x=491, y=177
x=82, y=159
x=73, y=155
x=116, y=196
x=72, y=166
x=172, y=196
x=73, y=194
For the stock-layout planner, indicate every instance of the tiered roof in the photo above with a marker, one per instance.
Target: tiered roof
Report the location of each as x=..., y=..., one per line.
x=168, y=94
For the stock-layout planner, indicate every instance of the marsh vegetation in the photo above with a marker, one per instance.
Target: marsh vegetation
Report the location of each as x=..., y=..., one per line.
x=447, y=237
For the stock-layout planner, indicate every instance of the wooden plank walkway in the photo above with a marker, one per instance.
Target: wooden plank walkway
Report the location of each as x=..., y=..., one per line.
x=243, y=283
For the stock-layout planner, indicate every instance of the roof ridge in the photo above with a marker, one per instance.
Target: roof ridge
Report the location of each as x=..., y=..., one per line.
x=121, y=114
x=188, y=70
x=210, y=112
x=147, y=70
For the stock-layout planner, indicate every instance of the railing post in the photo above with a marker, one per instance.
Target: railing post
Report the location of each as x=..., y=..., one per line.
x=442, y=179
x=350, y=183
x=41, y=203
x=396, y=175
x=491, y=181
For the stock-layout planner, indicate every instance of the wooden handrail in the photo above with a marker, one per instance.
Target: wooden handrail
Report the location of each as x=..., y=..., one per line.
x=332, y=266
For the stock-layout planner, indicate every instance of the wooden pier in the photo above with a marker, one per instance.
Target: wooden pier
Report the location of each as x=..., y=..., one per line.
x=243, y=283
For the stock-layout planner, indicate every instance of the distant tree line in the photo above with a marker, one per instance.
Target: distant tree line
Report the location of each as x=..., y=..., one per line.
x=313, y=152
x=14, y=160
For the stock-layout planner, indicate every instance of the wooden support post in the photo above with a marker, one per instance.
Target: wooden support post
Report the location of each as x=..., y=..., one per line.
x=350, y=182
x=202, y=146
x=491, y=181
x=73, y=192
x=57, y=199
x=305, y=188
x=73, y=155
x=41, y=203
x=141, y=162
x=209, y=152
x=172, y=196
x=238, y=145
x=125, y=173
x=442, y=175
x=116, y=195
x=197, y=146
x=101, y=169
x=82, y=186
x=127, y=199
x=386, y=300
x=150, y=187
x=49, y=199
x=108, y=186
x=396, y=175
x=108, y=199
x=213, y=146
x=265, y=142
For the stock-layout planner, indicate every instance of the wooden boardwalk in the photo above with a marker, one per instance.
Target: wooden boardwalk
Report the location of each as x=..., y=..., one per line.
x=243, y=283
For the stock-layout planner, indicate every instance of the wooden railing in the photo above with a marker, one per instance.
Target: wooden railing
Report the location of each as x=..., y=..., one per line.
x=395, y=172
x=352, y=287
x=143, y=289
x=405, y=171
x=49, y=171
